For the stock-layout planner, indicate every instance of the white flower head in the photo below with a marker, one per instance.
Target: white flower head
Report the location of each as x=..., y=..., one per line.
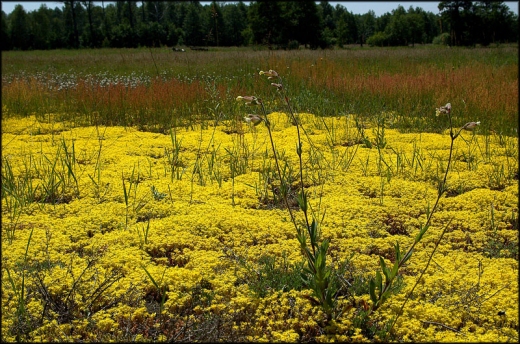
x=271, y=74
x=278, y=86
x=250, y=100
x=470, y=125
x=446, y=109
x=255, y=119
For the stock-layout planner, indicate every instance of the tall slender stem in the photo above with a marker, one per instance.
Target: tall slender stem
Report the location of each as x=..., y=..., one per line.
x=286, y=201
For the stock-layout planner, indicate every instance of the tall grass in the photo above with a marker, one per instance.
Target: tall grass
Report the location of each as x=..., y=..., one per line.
x=121, y=86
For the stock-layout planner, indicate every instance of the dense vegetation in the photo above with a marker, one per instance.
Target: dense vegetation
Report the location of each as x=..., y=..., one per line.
x=276, y=24
x=138, y=203
x=155, y=88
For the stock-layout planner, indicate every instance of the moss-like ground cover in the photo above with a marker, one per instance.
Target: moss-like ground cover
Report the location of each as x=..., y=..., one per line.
x=179, y=236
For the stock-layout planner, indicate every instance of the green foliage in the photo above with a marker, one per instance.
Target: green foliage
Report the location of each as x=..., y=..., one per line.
x=22, y=322
x=380, y=292
x=19, y=28
x=300, y=24
x=293, y=45
x=317, y=274
x=143, y=234
x=160, y=288
x=497, y=246
x=468, y=22
x=442, y=39
x=269, y=274
x=87, y=24
x=156, y=194
x=379, y=39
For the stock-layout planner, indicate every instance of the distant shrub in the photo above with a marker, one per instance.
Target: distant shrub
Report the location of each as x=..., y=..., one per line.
x=293, y=45
x=105, y=43
x=378, y=39
x=442, y=39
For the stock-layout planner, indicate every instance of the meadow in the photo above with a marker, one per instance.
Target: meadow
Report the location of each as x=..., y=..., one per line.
x=141, y=203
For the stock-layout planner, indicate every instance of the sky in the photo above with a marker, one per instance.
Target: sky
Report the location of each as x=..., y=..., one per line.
x=356, y=7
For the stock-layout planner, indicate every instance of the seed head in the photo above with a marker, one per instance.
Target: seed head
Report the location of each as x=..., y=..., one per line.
x=278, y=86
x=470, y=125
x=446, y=109
x=271, y=74
x=255, y=119
x=250, y=100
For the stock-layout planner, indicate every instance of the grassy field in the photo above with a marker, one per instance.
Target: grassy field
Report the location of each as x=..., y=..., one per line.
x=140, y=203
x=159, y=88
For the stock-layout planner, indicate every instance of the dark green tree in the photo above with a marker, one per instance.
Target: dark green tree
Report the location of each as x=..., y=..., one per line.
x=346, y=27
x=91, y=35
x=431, y=26
x=172, y=34
x=455, y=15
x=142, y=10
x=341, y=31
x=4, y=34
x=398, y=29
x=327, y=24
x=326, y=12
x=176, y=13
x=265, y=20
x=71, y=22
x=193, y=25
x=383, y=21
x=58, y=35
x=301, y=23
x=415, y=21
x=156, y=11
x=119, y=18
x=122, y=36
x=215, y=22
x=40, y=23
x=104, y=27
x=119, y=12
x=157, y=35
x=130, y=10
x=494, y=22
x=152, y=28
x=19, y=31
x=235, y=22
x=366, y=26
x=277, y=24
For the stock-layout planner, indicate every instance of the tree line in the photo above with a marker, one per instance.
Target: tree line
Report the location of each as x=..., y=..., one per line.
x=276, y=24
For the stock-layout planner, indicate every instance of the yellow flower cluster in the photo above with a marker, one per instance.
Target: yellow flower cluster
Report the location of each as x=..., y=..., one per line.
x=138, y=227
